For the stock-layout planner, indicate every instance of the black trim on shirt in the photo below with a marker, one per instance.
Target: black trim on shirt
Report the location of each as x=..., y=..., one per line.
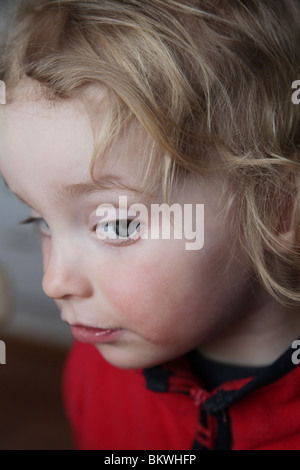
x=217, y=404
x=213, y=373
x=157, y=379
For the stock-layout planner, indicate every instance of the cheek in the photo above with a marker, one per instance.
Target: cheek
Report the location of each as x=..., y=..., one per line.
x=174, y=296
x=140, y=296
x=157, y=300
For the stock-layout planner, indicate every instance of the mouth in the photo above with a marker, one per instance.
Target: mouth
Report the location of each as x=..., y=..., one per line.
x=88, y=334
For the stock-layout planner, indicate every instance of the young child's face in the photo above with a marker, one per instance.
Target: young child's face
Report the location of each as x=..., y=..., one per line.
x=156, y=299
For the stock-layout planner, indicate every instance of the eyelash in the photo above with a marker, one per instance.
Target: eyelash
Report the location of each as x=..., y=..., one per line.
x=37, y=221
x=34, y=221
x=117, y=223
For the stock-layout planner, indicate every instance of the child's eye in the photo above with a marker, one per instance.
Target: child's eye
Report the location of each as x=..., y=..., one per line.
x=124, y=231
x=40, y=223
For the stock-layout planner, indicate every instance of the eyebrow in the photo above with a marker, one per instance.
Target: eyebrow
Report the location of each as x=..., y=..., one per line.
x=107, y=183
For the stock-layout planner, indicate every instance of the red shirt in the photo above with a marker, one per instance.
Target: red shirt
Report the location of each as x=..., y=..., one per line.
x=168, y=408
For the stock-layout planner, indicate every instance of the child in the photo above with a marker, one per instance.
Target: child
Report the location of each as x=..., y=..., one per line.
x=164, y=102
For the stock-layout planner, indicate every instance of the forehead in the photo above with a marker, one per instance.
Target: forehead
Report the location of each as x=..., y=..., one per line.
x=57, y=139
x=37, y=137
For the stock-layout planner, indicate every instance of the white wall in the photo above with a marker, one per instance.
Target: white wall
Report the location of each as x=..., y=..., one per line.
x=32, y=313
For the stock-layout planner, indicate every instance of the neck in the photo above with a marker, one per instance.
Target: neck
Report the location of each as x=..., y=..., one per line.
x=258, y=338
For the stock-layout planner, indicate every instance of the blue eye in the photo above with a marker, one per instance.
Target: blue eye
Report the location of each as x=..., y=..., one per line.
x=120, y=230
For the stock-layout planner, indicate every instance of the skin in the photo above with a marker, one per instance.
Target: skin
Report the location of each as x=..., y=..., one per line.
x=165, y=299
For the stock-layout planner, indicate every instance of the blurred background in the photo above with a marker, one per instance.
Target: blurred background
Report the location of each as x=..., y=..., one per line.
x=36, y=340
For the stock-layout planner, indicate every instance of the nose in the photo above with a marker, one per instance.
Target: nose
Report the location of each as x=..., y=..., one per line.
x=64, y=273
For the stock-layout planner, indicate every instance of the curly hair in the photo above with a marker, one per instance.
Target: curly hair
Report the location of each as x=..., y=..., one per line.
x=210, y=81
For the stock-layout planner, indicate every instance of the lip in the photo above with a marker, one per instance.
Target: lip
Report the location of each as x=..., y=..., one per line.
x=87, y=334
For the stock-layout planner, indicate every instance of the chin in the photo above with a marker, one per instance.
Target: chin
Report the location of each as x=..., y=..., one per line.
x=128, y=360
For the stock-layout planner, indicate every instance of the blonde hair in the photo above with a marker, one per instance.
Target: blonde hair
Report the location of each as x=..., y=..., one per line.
x=210, y=83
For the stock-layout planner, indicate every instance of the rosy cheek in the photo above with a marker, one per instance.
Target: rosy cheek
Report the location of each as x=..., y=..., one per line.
x=144, y=302
x=131, y=293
